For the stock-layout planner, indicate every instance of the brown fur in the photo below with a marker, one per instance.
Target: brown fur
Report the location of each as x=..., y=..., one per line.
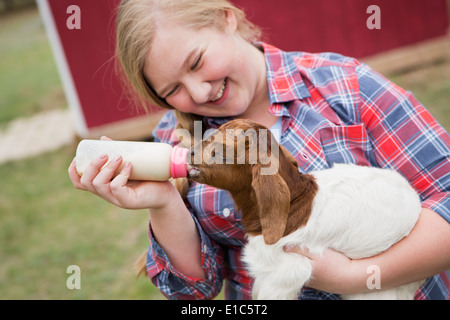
x=272, y=205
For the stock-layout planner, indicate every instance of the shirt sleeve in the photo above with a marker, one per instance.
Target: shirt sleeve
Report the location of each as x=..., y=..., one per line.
x=175, y=285
x=165, y=128
x=406, y=137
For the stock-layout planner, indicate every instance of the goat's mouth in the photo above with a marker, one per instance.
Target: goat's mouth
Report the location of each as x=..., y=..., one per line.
x=193, y=172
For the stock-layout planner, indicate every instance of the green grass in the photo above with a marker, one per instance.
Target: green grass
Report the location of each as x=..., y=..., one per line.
x=29, y=80
x=47, y=225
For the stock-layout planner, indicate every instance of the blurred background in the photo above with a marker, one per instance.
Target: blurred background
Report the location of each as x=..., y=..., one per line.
x=45, y=224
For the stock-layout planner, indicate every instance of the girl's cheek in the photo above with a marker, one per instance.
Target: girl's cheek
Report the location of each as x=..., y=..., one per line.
x=182, y=102
x=215, y=66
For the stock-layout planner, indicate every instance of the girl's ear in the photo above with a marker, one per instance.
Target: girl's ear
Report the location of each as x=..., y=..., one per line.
x=273, y=201
x=230, y=21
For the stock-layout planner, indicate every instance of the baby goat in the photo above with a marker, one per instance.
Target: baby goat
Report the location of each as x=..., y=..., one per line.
x=359, y=211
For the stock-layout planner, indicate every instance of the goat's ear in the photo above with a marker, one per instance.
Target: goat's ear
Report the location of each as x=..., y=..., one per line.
x=273, y=201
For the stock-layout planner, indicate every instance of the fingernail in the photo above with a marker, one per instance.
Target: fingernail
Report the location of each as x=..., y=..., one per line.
x=126, y=169
x=117, y=158
x=103, y=156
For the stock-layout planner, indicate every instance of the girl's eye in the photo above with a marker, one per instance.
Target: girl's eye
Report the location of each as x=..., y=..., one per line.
x=194, y=66
x=197, y=62
x=174, y=90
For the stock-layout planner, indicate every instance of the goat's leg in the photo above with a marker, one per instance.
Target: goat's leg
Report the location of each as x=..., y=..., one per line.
x=278, y=274
x=286, y=280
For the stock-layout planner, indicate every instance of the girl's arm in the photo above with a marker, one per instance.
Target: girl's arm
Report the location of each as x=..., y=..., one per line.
x=175, y=231
x=423, y=253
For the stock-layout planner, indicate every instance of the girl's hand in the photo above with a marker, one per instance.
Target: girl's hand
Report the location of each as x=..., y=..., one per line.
x=332, y=271
x=119, y=190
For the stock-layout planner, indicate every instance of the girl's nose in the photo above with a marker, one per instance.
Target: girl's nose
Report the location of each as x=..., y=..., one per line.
x=199, y=90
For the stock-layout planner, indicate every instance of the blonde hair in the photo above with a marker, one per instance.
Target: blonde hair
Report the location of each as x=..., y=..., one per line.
x=136, y=27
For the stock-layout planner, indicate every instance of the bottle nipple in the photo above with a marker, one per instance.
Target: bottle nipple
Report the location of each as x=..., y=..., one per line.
x=178, y=162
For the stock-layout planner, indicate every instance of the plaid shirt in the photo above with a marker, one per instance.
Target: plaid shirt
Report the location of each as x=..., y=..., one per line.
x=334, y=109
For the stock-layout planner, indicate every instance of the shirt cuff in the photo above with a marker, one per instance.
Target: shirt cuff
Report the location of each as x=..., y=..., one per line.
x=174, y=284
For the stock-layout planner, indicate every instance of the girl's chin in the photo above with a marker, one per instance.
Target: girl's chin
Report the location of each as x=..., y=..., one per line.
x=223, y=111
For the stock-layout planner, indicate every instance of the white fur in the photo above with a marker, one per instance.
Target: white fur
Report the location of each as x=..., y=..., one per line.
x=359, y=211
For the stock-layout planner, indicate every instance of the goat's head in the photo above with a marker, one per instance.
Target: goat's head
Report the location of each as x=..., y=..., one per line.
x=244, y=158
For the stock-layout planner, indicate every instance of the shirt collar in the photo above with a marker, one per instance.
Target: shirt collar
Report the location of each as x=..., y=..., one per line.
x=284, y=80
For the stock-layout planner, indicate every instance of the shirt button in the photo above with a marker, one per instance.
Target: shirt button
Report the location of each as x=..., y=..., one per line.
x=226, y=212
x=305, y=156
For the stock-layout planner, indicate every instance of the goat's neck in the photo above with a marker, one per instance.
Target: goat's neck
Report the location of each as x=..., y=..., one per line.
x=303, y=189
x=245, y=201
x=302, y=185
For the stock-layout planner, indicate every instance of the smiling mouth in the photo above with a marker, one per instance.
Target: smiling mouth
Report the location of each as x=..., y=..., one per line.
x=221, y=91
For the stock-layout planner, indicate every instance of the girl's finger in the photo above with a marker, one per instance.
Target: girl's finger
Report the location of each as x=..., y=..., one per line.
x=92, y=170
x=120, y=189
x=121, y=181
x=74, y=176
x=103, y=179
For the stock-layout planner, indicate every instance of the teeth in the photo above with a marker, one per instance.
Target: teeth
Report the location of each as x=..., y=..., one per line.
x=220, y=93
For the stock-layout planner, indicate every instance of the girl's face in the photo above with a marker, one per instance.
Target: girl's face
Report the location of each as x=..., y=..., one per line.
x=208, y=71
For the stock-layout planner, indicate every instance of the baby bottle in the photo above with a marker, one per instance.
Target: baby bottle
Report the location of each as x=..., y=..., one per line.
x=150, y=160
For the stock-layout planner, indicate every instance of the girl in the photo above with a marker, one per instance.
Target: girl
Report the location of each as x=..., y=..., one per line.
x=203, y=60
